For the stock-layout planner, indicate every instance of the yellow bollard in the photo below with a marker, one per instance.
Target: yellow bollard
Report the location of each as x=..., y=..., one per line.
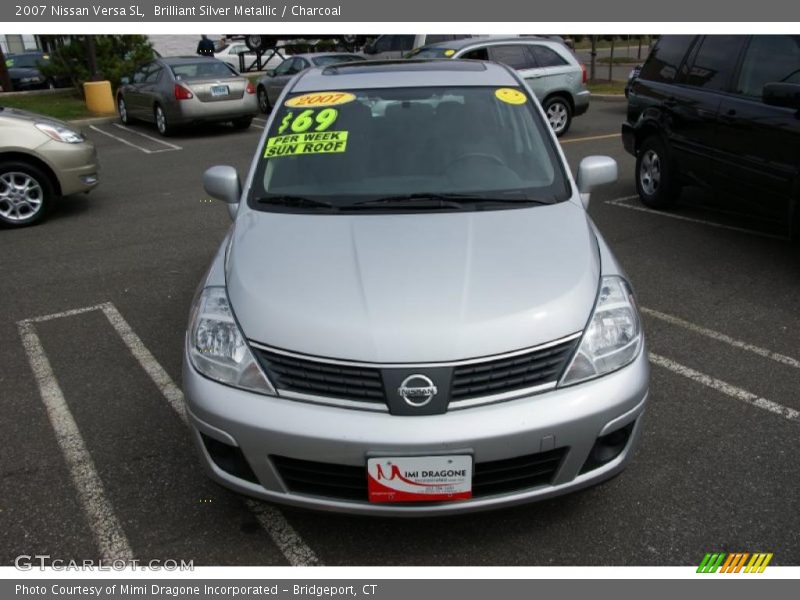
x=98, y=97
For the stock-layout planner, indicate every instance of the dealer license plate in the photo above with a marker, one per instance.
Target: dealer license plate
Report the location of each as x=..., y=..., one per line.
x=219, y=90
x=419, y=478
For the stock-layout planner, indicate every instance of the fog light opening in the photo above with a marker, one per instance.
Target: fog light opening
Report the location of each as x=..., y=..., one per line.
x=229, y=458
x=608, y=447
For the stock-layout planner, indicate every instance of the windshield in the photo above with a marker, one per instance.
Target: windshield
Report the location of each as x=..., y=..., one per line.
x=25, y=61
x=202, y=70
x=336, y=150
x=431, y=52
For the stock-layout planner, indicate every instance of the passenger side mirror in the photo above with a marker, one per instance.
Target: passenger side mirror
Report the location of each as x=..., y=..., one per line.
x=594, y=171
x=786, y=95
x=222, y=183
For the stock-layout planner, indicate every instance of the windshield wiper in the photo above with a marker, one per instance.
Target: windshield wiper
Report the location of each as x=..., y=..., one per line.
x=296, y=201
x=436, y=200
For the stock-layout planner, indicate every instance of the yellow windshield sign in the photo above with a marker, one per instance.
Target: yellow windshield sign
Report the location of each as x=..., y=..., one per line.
x=322, y=142
x=319, y=99
x=510, y=96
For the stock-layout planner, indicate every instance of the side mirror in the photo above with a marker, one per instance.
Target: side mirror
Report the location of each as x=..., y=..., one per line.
x=270, y=72
x=594, y=171
x=370, y=48
x=124, y=80
x=786, y=95
x=222, y=183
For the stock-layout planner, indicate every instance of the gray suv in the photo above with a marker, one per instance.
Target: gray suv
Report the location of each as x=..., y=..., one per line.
x=412, y=313
x=549, y=68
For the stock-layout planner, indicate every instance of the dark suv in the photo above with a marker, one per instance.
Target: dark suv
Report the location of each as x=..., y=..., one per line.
x=720, y=111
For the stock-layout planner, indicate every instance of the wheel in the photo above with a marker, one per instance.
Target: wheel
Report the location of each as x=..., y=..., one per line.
x=263, y=100
x=242, y=123
x=559, y=114
x=256, y=43
x=122, y=109
x=655, y=182
x=163, y=126
x=25, y=194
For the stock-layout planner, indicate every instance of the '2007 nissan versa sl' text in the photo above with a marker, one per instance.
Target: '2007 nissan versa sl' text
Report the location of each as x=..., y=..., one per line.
x=412, y=313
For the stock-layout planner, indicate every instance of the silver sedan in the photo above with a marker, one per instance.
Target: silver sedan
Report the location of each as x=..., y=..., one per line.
x=177, y=91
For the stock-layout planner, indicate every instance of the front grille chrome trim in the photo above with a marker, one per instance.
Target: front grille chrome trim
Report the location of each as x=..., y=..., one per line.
x=331, y=401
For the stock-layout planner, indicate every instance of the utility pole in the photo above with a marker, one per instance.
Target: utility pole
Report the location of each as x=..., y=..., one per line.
x=5, y=80
x=91, y=58
x=593, y=61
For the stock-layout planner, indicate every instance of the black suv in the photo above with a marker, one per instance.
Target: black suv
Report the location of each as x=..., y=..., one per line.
x=720, y=111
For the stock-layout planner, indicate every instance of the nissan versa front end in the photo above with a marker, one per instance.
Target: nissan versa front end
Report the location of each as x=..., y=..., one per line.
x=412, y=313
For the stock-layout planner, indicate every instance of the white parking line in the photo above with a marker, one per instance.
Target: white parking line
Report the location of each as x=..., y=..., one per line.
x=592, y=138
x=721, y=337
x=257, y=126
x=149, y=137
x=105, y=526
x=107, y=530
x=733, y=391
x=131, y=144
x=259, y=120
x=622, y=203
x=271, y=519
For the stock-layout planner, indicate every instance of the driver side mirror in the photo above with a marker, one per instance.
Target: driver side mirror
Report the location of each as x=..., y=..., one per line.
x=786, y=95
x=222, y=183
x=594, y=171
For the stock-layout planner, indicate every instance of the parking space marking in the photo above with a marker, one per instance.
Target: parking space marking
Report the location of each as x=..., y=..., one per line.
x=131, y=144
x=259, y=120
x=721, y=337
x=149, y=137
x=255, y=125
x=271, y=519
x=106, y=529
x=622, y=203
x=592, y=138
x=728, y=389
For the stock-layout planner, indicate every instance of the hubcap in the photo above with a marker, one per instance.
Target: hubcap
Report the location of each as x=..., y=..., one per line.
x=557, y=116
x=21, y=196
x=123, y=111
x=650, y=172
x=262, y=100
x=161, y=120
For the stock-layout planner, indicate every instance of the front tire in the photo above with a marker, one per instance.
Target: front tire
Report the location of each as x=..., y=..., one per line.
x=655, y=181
x=263, y=100
x=559, y=114
x=122, y=109
x=162, y=124
x=26, y=194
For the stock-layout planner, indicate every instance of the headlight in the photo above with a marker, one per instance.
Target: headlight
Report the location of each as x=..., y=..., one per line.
x=613, y=337
x=60, y=133
x=218, y=349
x=30, y=80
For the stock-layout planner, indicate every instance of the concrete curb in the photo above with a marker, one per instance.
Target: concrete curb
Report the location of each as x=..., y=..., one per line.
x=609, y=97
x=93, y=120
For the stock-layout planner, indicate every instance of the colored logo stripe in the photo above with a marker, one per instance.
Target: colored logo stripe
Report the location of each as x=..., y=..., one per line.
x=734, y=562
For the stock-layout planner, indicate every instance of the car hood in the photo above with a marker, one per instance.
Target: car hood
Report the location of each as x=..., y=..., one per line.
x=413, y=288
x=24, y=115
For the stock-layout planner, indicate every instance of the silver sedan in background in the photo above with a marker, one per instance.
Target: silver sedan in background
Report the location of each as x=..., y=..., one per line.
x=270, y=86
x=181, y=90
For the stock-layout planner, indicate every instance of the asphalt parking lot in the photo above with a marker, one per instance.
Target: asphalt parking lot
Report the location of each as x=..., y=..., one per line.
x=96, y=301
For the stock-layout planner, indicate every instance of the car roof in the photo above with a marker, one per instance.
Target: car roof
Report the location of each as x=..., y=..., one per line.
x=310, y=55
x=404, y=73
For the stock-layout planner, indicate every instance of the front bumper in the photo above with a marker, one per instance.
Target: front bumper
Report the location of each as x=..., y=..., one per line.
x=75, y=165
x=571, y=418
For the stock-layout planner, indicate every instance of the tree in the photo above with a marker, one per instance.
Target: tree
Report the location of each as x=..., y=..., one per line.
x=116, y=56
x=5, y=79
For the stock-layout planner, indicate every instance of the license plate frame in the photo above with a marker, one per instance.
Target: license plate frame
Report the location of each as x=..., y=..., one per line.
x=220, y=90
x=433, y=478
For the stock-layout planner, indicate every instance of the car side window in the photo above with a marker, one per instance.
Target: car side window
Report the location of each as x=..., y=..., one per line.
x=141, y=73
x=283, y=68
x=666, y=58
x=477, y=54
x=514, y=56
x=769, y=59
x=714, y=62
x=301, y=64
x=545, y=57
x=153, y=75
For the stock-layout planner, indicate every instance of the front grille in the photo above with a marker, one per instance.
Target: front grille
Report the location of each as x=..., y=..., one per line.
x=346, y=482
x=323, y=378
x=503, y=375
